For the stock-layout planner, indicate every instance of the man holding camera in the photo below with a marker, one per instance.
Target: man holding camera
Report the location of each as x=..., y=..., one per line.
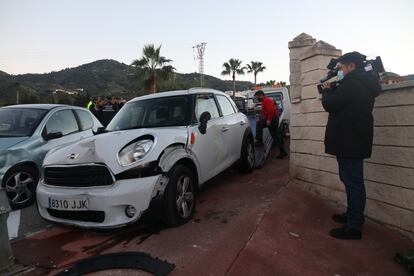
x=349, y=136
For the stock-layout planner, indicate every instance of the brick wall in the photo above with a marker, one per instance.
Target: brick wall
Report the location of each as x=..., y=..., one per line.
x=389, y=174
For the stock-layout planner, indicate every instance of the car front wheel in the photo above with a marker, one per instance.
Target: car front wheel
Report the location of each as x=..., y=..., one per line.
x=20, y=185
x=180, y=196
x=248, y=156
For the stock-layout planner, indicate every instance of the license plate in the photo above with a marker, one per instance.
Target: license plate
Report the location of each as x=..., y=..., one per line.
x=68, y=204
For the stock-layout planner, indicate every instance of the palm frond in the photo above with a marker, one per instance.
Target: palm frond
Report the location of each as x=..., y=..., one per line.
x=227, y=69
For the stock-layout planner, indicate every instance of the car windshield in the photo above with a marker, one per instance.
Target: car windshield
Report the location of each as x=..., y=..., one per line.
x=19, y=122
x=158, y=112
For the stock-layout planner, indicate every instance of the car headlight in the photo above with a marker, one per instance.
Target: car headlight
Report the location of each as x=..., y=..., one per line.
x=134, y=152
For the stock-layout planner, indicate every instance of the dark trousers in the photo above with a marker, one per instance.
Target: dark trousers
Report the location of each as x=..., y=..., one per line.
x=351, y=173
x=274, y=130
x=261, y=124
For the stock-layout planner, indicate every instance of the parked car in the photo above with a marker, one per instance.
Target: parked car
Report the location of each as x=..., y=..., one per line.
x=245, y=105
x=159, y=148
x=27, y=133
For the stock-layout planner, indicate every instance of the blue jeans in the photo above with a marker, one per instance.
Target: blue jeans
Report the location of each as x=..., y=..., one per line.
x=351, y=173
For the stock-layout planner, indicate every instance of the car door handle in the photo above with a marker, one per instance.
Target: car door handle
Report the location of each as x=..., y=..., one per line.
x=224, y=129
x=242, y=123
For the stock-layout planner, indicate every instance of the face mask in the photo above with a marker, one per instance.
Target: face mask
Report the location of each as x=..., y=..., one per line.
x=340, y=75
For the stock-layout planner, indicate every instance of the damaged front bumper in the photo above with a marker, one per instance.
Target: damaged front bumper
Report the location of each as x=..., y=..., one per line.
x=100, y=207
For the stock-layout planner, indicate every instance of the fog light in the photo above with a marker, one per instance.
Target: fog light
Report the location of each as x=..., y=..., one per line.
x=130, y=211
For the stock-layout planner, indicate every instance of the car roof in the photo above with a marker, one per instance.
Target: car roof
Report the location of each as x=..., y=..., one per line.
x=191, y=91
x=37, y=106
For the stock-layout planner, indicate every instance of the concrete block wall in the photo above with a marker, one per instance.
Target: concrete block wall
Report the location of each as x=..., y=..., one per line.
x=389, y=174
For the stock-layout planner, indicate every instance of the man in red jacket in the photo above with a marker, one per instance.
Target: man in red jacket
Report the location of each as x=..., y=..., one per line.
x=270, y=119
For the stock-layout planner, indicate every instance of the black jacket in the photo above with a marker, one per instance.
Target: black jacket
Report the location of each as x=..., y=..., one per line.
x=349, y=132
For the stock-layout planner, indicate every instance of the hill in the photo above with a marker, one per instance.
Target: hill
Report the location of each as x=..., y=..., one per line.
x=98, y=78
x=410, y=77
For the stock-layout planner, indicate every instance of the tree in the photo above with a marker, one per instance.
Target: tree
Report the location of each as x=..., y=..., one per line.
x=271, y=82
x=152, y=66
x=282, y=83
x=233, y=67
x=255, y=67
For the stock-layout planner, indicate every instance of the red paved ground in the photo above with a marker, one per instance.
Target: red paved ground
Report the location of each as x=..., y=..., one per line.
x=245, y=225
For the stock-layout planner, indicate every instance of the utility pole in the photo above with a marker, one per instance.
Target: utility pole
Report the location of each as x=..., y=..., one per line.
x=200, y=48
x=17, y=97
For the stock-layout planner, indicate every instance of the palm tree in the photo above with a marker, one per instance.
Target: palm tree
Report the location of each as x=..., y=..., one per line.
x=233, y=67
x=152, y=66
x=271, y=82
x=255, y=67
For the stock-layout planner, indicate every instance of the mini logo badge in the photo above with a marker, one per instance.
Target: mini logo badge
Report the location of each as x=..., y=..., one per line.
x=73, y=156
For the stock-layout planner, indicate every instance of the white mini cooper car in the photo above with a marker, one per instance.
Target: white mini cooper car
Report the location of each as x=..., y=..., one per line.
x=159, y=147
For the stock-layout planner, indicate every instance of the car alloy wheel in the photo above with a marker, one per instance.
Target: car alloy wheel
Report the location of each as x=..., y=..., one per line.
x=185, y=196
x=20, y=187
x=250, y=155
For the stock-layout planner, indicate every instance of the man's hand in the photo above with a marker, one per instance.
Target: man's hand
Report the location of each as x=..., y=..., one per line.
x=326, y=85
x=268, y=122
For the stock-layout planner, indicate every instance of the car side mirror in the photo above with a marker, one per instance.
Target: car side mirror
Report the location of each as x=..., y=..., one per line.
x=204, y=118
x=53, y=135
x=100, y=130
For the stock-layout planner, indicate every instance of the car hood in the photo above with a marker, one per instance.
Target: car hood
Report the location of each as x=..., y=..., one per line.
x=104, y=148
x=8, y=142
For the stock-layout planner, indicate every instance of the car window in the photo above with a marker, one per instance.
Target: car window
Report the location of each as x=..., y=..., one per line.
x=62, y=121
x=240, y=105
x=157, y=112
x=85, y=119
x=225, y=105
x=206, y=102
x=16, y=122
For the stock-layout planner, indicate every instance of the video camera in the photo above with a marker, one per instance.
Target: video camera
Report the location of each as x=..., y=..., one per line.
x=373, y=66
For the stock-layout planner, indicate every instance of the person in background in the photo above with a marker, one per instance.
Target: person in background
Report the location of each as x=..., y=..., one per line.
x=269, y=118
x=92, y=106
x=108, y=110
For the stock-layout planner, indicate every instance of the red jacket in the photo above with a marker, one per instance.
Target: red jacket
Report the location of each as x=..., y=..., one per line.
x=269, y=109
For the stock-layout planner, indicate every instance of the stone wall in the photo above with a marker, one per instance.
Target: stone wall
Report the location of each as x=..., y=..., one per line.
x=389, y=174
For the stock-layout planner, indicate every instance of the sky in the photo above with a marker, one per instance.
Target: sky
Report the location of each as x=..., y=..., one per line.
x=38, y=36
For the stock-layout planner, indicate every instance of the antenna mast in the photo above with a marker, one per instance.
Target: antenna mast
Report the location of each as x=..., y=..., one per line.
x=200, y=56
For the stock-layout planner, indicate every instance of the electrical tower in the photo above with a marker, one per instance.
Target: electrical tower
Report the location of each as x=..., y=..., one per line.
x=200, y=48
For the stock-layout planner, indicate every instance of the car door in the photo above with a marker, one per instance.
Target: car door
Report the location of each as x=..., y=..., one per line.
x=209, y=149
x=63, y=121
x=233, y=131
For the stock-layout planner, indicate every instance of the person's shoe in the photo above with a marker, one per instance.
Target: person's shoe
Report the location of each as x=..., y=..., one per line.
x=346, y=233
x=282, y=155
x=340, y=218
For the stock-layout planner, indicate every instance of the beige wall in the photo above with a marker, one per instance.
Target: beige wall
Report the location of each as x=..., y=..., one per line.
x=389, y=174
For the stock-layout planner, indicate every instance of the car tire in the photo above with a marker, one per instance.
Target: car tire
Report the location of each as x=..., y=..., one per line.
x=248, y=156
x=20, y=184
x=180, y=196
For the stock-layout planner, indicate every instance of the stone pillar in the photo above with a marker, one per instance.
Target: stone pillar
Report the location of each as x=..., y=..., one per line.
x=297, y=47
x=308, y=61
x=313, y=64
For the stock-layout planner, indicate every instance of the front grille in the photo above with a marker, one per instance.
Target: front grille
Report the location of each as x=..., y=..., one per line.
x=86, y=216
x=78, y=176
